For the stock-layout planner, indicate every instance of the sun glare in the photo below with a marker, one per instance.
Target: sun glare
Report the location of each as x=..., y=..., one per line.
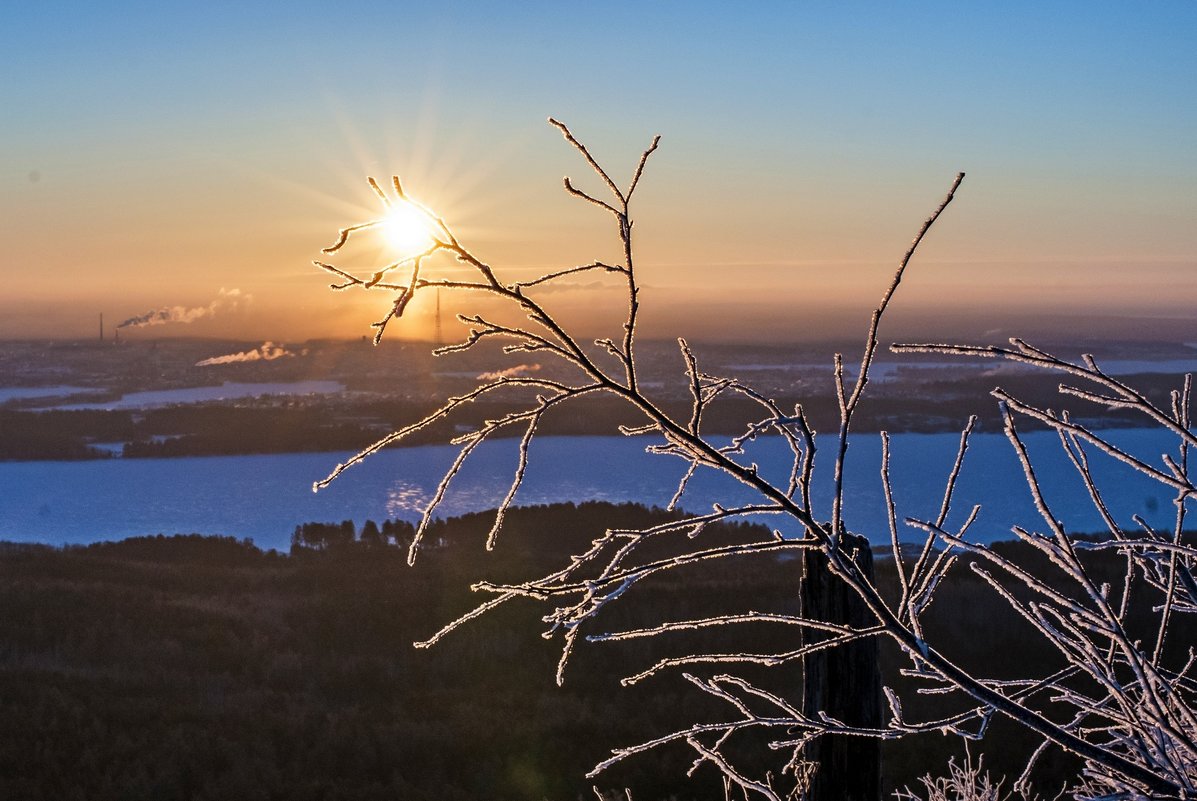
x=406, y=229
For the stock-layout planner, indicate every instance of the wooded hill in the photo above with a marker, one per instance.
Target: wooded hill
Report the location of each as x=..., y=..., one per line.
x=202, y=668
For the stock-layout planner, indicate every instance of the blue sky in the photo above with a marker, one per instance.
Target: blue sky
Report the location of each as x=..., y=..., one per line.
x=153, y=153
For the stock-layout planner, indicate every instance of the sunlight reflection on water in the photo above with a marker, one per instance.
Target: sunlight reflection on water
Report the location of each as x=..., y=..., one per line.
x=404, y=497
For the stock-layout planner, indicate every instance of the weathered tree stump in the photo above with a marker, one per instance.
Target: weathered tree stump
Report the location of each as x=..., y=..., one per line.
x=844, y=681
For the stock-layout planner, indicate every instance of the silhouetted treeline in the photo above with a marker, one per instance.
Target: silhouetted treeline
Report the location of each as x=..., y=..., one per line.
x=202, y=668
x=29, y=436
x=343, y=536
x=199, y=430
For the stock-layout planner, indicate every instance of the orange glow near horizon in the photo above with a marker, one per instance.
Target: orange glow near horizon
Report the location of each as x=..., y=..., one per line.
x=126, y=190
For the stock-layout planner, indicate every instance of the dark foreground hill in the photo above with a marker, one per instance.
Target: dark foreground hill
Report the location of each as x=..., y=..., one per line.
x=202, y=668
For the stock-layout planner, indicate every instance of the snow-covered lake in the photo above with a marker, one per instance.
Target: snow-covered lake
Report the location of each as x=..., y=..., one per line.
x=883, y=371
x=265, y=497
x=227, y=391
x=35, y=393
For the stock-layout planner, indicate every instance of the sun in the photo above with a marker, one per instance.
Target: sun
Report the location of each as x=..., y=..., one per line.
x=406, y=229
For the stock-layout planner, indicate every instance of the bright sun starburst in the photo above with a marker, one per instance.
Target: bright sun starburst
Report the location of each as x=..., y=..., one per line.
x=406, y=229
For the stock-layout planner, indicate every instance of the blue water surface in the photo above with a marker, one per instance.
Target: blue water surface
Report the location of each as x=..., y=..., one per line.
x=265, y=497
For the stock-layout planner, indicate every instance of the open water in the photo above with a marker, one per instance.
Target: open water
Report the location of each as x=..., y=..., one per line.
x=265, y=497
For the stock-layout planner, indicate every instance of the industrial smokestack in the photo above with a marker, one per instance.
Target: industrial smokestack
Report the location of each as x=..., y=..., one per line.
x=101, y=326
x=439, y=340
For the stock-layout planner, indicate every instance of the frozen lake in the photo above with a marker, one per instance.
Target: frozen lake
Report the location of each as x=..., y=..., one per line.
x=883, y=371
x=229, y=390
x=265, y=497
x=36, y=393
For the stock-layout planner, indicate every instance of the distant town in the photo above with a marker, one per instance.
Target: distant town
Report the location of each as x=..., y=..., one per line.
x=174, y=396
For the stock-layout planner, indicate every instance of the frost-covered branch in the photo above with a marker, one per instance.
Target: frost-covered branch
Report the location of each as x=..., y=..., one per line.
x=1131, y=713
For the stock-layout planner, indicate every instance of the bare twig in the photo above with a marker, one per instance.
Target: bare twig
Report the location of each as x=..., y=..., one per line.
x=1131, y=719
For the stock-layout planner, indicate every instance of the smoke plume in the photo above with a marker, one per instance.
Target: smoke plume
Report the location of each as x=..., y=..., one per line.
x=510, y=372
x=227, y=299
x=267, y=352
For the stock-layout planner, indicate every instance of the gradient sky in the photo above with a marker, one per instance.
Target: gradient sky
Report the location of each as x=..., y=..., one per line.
x=153, y=154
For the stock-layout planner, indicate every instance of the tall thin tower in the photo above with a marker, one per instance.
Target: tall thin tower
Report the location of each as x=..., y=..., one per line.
x=439, y=340
x=101, y=326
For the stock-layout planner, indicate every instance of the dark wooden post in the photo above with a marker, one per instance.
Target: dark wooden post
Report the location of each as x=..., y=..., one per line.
x=844, y=681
